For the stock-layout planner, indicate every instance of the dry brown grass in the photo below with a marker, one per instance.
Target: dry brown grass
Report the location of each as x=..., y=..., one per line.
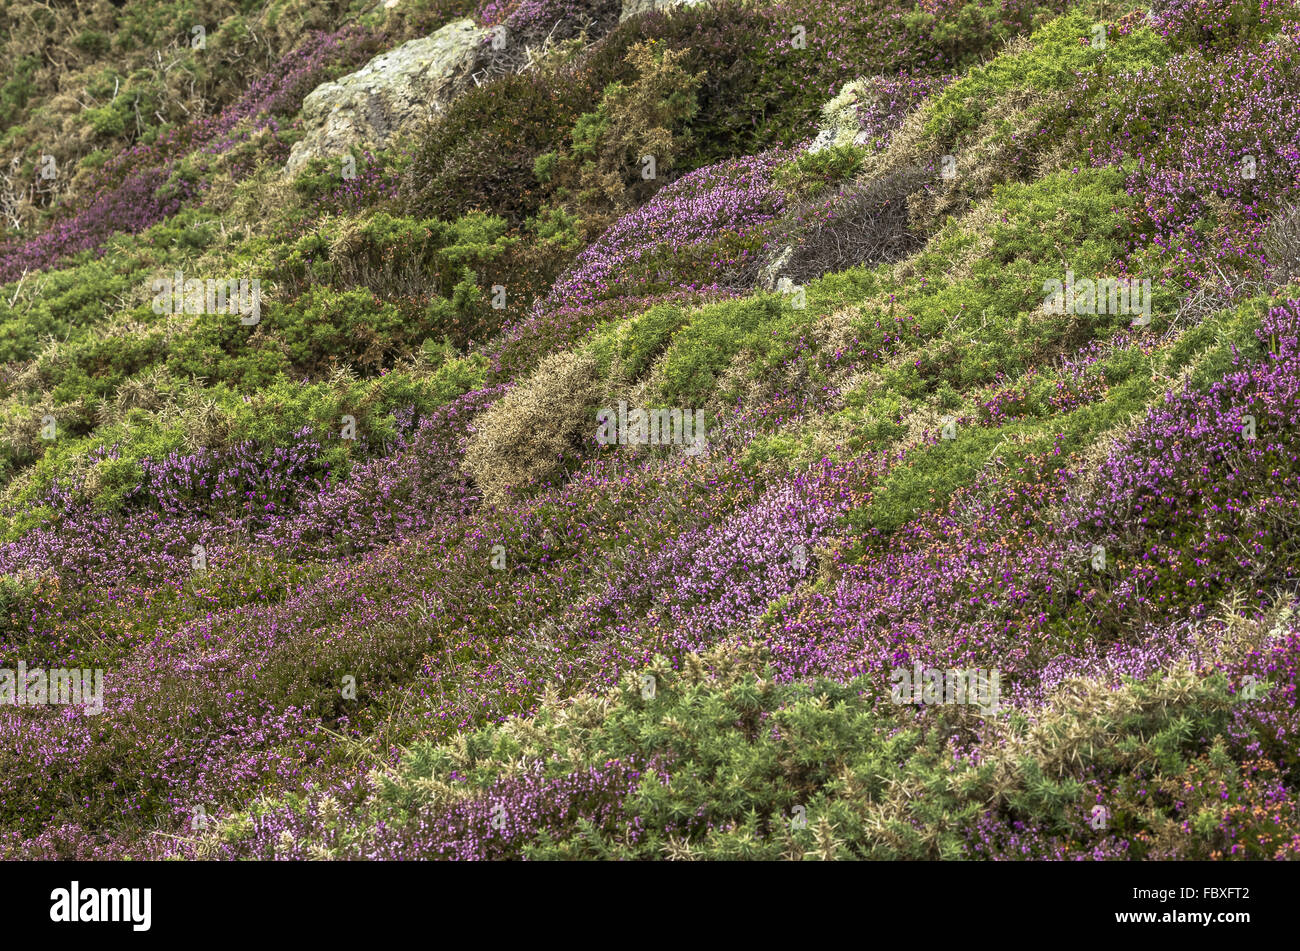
x=1282, y=245
x=870, y=224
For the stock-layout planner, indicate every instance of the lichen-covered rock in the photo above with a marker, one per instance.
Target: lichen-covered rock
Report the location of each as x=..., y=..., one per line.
x=769, y=275
x=366, y=108
x=840, y=123
x=868, y=111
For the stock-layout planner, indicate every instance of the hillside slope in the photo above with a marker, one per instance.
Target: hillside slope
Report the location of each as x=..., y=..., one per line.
x=810, y=429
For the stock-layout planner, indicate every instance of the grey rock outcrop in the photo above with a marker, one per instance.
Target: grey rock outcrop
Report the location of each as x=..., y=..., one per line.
x=366, y=108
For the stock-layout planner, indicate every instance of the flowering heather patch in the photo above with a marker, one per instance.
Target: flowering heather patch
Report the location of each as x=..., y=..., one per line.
x=887, y=104
x=538, y=19
x=125, y=196
x=698, y=230
x=243, y=500
x=1214, y=137
x=1207, y=22
x=1224, y=458
x=131, y=207
x=723, y=577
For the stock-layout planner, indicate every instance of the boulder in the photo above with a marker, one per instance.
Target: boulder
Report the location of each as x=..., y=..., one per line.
x=366, y=108
x=769, y=275
x=841, y=123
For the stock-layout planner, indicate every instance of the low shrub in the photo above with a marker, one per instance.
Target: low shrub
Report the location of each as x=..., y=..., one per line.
x=537, y=430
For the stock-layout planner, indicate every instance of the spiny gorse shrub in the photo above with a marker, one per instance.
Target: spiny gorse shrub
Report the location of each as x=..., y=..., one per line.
x=536, y=429
x=718, y=760
x=603, y=172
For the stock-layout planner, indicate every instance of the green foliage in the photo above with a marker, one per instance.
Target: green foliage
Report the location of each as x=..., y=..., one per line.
x=321, y=176
x=1050, y=60
x=481, y=151
x=715, y=334
x=423, y=276
x=810, y=173
x=544, y=166
x=738, y=766
x=17, y=88
x=601, y=173
x=557, y=232
x=646, y=336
